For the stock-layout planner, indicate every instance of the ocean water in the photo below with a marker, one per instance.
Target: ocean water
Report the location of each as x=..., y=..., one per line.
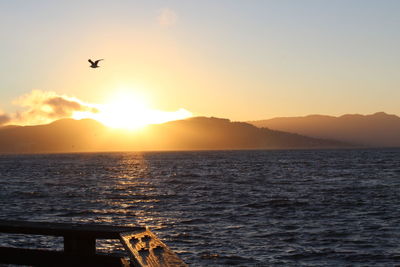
x=220, y=208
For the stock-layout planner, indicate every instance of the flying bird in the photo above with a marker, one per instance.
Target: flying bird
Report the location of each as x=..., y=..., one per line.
x=95, y=63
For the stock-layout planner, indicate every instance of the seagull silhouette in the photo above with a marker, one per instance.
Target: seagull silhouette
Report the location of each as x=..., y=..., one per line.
x=94, y=64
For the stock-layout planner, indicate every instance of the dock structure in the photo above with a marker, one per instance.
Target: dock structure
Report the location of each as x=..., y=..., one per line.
x=143, y=247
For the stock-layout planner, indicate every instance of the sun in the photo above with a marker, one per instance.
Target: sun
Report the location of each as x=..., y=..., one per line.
x=128, y=110
x=125, y=110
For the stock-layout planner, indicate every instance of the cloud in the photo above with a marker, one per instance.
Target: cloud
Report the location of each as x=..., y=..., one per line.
x=45, y=107
x=4, y=118
x=62, y=107
x=167, y=17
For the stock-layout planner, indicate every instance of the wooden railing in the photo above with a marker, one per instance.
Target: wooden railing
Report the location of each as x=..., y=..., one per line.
x=143, y=247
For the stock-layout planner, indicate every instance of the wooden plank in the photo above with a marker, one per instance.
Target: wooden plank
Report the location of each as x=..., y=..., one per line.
x=66, y=229
x=31, y=257
x=146, y=250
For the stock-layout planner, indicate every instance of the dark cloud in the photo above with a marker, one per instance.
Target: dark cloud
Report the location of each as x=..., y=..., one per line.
x=62, y=107
x=4, y=119
x=44, y=107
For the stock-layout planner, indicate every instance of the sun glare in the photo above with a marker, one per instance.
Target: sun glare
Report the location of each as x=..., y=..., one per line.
x=129, y=111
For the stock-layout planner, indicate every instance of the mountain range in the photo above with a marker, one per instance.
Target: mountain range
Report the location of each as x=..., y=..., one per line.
x=375, y=130
x=198, y=133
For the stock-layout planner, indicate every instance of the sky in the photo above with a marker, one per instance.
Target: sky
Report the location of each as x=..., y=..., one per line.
x=242, y=60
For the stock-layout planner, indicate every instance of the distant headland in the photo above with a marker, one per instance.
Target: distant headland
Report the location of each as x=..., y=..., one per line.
x=197, y=133
x=375, y=130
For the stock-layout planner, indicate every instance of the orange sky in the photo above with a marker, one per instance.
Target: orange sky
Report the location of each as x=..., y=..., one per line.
x=227, y=59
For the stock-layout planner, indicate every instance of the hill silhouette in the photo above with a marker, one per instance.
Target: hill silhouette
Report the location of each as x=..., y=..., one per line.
x=216, y=133
x=375, y=130
x=59, y=136
x=201, y=133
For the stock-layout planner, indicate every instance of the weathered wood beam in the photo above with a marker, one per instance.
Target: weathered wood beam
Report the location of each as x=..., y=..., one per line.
x=23, y=256
x=66, y=229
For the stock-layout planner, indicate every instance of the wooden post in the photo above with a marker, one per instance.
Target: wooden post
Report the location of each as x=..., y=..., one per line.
x=79, y=245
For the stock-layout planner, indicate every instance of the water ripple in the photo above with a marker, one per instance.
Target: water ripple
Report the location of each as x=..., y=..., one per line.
x=221, y=208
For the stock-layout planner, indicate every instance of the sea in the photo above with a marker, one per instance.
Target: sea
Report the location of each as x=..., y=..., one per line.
x=220, y=208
